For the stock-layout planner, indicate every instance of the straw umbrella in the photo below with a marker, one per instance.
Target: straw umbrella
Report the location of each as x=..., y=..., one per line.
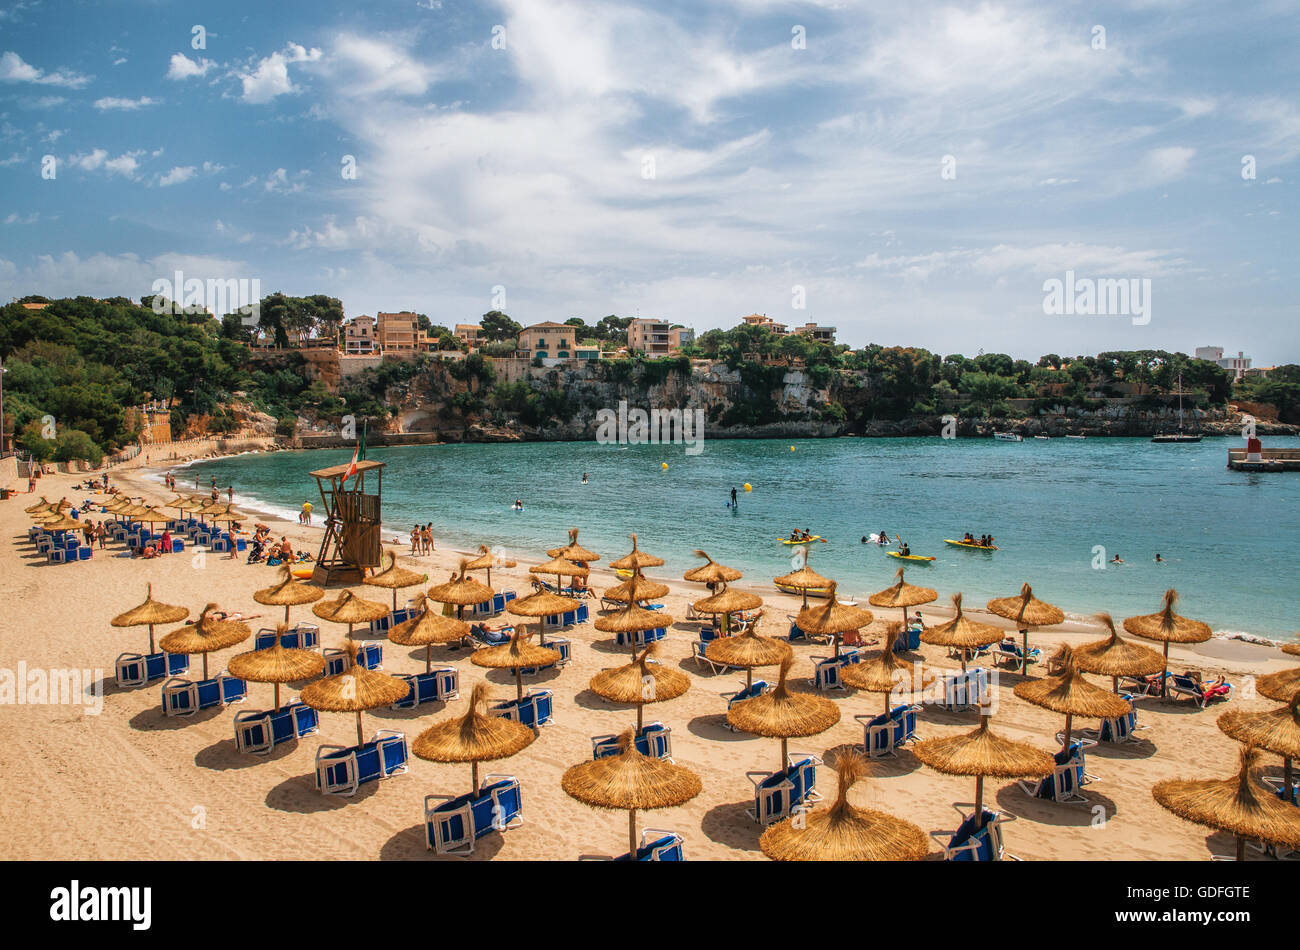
x=632, y=619
x=394, y=578
x=805, y=579
x=63, y=523
x=961, y=632
x=903, y=595
x=206, y=635
x=560, y=566
x=1280, y=686
x=983, y=753
x=1234, y=805
x=1291, y=648
x=727, y=602
x=474, y=737
x=748, y=650
x=630, y=781
x=885, y=672
x=461, y=590
x=1027, y=611
x=844, y=832
x=832, y=618
x=42, y=505
x=354, y=690
x=1069, y=693
x=515, y=655
x=573, y=551
x=1116, y=657
x=784, y=715
x=640, y=682
x=426, y=628
x=636, y=589
x=1276, y=731
x=636, y=560
x=712, y=572
x=350, y=609
x=289, y=592
x=149, y=613
x=541, y=604
x=276, y=664
x=1168, y=627
x=486, y=560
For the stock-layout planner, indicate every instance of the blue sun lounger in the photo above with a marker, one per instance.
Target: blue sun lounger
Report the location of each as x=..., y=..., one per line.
x=884, y=733
x=1120, y=729
x=965, y=690
x=702, y=659
x=492, y=607
x=438, y=685
x=561, y=645
x=259, y=731
x=969, y=843
x=534, y=710
x=391, y=620
x=826, y=669
x=909, y=639
x=1277, y=785
x=453, y=825
x=1064, y=783
x=640, y=637
x=1180, y=684
x=369, y=655
x=757, y=688
x=490, y=638
x=657, y=845
x=654, y=740
x=341, y=770
x=1011, y=652
x=182, y=697
x=136, y=669
x=777, y=794
x=304, y=636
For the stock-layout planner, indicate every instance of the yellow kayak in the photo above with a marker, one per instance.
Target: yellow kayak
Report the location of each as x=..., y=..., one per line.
x=908, y=557
x=968, y=544
x=302, y=573
x=815, y=537
x=799, y=591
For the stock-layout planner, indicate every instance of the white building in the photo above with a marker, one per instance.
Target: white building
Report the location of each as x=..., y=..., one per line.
x=1237, y=365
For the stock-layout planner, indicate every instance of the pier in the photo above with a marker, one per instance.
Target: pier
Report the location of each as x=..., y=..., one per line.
x=1266, y=460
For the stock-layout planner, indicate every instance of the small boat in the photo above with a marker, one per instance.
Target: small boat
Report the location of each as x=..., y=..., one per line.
x=908, y=557
x=1079, y=437
x=1181, y=435
x=970, y=544
x=815, y=537
x=1045, y=438
x=822, y=592
x=1007, y=437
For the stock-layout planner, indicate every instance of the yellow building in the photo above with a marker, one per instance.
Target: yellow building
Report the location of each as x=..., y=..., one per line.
x=547, y=341
x=397, y=332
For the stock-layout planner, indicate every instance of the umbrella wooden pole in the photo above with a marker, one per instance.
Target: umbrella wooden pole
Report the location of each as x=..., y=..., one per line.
x=428, y=657
x=784, y=754
x=836, y=638
x=360, y=738
x=631, y=831
x=277, y=697
x=286, y=613
x=205, y=666
x=1069, y=719
x=519, y=683
x=1241, y=848
x=1286, y=778
x=473, y=766
x=640, y=710
x=1024, y=659
x=749, y=677
x=151, y=646
x=1164, y=675
x=979, y=801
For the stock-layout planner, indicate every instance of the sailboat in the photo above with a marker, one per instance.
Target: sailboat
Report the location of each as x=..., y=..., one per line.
x=1180, y=435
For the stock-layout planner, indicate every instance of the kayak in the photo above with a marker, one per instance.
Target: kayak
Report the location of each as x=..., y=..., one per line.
x=799, y=591
x=623, y=572
x=908, y=557
x=302, y=573
x=968, y=544
x=815, y=537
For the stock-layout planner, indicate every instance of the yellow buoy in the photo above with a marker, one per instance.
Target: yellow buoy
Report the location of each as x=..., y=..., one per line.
x=748, y=487
x=792, y=448
x=665, y=466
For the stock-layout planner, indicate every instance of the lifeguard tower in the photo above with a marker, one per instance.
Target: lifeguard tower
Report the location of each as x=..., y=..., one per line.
x=352, y=523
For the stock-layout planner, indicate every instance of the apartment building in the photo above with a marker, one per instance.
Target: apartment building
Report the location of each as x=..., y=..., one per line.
x=359, y=336
x=816, y=333
x=468, y=333
x=399, y=332
x=647, y=336
x=763, y=320
x=547, y=341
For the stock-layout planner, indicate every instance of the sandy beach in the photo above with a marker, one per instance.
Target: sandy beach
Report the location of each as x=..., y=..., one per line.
x=129, y=783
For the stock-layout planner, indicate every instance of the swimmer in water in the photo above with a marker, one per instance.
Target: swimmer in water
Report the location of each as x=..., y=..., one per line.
x=584, y=478
x=1159, y=559
x=1117, y=560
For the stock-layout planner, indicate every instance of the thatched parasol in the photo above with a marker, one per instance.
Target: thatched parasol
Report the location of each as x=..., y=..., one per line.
x=962, y=633
x=42, y=505
x=350, y=609
x=637, y=589
x=541, y=604
x=560, y=567
x=748, y=650
x=1234, y=805
x=515, y=655
x=712, y=572
x=1116, y=657
x=844, y=832
x=1276, y=731
x=474, y=737
x=461, y=590
x=1167, y=627
x=63, y=523
x=573, y=551
x=149, y=613
x=426, y=628
x=206, y=635
x=883, y=671
x=982, y=753
x=289, y=592
x=354, y=690
x=394, y=578
x=902, y=595
x=727, y=602
x=487, y=560
x=1280, y=686
x=152, y=516
x=632, y=618
x=1291, y=648
x=640, y=682
x=805, y=579
x=630, y=780
x=782, y=714
x=1069, y=693
x=1027, y=611
x=833, y=618
x=636, y=560
x=276, y=664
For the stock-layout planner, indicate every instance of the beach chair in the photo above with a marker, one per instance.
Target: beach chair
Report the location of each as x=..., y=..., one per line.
x=707, y=633
x=560, y=644
x=259, y=731
x=1010, y=652
x=1180, y=684
x=135, y=669
x=964, y=690
x=341, y=770
x=452, y=825
x=757, y=688
x=972, y=843
x=1120, y=729
x=908, y=640
x=699, y=648
x=640, y=637
x=490, y=638
x=437, y=685
x=391, y=620
x=1063, y=785
x=369, y=655
x=535, y=710
x=886, y=732
x=1143, y=687
x=778, y=794
x=1277, y=785
x=826, y=669
x=654, y=740
x=657, y=845
x=182, y=697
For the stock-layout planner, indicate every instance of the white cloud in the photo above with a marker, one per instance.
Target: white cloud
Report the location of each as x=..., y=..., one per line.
x=1170, y=162
x=15, y=218
x=271, y=76
x=96, y=159
x=14, y=69
x=109, y=103
x=177, y=175
x=182, y=67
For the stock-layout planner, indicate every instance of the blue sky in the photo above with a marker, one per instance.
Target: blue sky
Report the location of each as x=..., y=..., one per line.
x=684, y=160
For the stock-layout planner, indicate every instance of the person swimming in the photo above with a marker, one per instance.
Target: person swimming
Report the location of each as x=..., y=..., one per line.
x=1159, y=559
x=519, y=505
x=1117, y=560
x=584, y=478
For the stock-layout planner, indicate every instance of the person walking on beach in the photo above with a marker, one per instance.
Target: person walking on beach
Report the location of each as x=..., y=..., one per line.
x=101, y=535
x=427, y=536
x=230, y=493
x=415, y=540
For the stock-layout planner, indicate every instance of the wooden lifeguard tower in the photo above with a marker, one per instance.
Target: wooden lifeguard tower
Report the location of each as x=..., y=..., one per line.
x=352, y=523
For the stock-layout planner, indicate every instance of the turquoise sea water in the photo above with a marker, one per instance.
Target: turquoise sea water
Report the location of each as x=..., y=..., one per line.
x=1231, y=540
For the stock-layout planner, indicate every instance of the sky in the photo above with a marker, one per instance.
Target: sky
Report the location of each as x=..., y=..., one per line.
x=912, y=174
